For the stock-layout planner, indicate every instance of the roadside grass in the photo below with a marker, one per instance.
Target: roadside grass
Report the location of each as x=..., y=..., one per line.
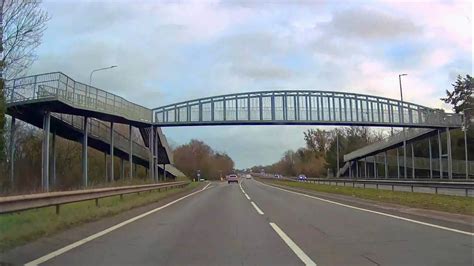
x=447, y=203
x=22, y=227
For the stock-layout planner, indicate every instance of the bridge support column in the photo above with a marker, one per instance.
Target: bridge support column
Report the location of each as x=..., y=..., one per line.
x=350, y=169
x=357, y=169
x=45, y=151
x=122, y=168
x=386, y=164
x=450, y=155
x=365, y=167
x=431, y=157
x=112, y=177
x=53, y=159
x=130, y=152
x=375, y=166
x=157, y=161
x=152, y=155
x=398, y=164
x=412, y=161
x=405, y=175
x=85, y=136
x=12, y=152
x=440, y=153
x=164, y=172
x=465, y=147
x=106, y=166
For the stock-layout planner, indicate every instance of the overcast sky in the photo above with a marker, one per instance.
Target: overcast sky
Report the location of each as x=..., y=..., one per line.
x=174, y=51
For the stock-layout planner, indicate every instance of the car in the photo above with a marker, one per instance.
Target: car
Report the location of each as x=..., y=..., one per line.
x=248, y=176
x=202, y=179
x=232, y=179
x=302, y=177
x=277, y=176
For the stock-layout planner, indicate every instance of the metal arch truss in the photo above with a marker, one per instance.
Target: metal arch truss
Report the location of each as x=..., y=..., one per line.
x=297, y=107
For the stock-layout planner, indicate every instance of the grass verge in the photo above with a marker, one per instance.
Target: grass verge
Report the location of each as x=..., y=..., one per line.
x=452, y=204
x=22, y=227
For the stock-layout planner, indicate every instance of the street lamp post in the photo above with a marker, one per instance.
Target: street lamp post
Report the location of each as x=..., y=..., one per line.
x=99, y=69
x=404, y=135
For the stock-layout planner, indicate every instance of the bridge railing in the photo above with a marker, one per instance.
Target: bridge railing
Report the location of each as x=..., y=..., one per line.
x=295, y=107
x=101, y=131
x=379, y=146
x=59, y=86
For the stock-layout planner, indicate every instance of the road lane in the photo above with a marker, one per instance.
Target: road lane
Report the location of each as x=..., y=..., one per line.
x=338, y=235
x=216, y=227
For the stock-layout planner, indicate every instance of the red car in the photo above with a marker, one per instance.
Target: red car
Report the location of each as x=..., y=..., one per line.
x=232, y=179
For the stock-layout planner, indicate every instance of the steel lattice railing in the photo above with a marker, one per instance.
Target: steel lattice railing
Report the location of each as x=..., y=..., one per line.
x=302, y=107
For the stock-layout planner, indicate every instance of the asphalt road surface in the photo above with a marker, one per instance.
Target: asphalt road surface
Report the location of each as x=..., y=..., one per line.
x=255, y=224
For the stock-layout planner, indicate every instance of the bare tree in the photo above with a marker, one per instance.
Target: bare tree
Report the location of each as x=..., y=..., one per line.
x=22, y=23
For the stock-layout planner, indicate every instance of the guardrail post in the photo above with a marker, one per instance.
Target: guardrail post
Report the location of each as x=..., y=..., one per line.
x=377, y=186
x=393, y=188
x=364, y=185
x=97, y=202
x=436, y=190
x=411, y=188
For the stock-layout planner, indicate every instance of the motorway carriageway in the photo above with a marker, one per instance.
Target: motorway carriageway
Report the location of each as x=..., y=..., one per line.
x=256, y=224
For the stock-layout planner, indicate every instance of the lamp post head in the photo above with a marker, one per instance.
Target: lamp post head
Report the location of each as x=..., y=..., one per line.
x=401, y=75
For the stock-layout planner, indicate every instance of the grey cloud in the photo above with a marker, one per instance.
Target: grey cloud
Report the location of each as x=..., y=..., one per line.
x=250, y=56
x=261, y=71
x=369, y=24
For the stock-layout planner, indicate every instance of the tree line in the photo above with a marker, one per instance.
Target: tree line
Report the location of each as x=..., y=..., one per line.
x=198, y=157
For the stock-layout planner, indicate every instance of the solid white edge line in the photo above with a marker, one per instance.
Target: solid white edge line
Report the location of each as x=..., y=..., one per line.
x=108, y=230
x=257, y=208
x=375, y=212
x=297, y=250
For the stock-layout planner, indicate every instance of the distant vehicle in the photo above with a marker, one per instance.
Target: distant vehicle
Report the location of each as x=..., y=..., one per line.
x=248, y=176
x=277, y=176
x=302, y=177
x=202, y=179
x=232, y=179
